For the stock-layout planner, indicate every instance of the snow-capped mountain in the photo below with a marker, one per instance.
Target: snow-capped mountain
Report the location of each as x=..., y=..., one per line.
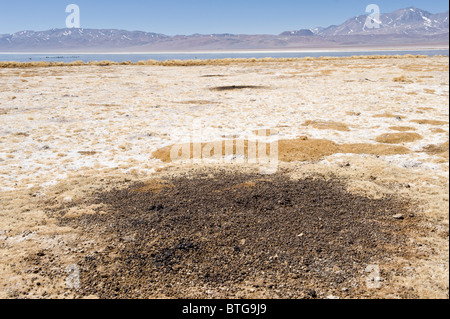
x=410, y=26
x=404, y=21
x=303, y=33
x=77, y=38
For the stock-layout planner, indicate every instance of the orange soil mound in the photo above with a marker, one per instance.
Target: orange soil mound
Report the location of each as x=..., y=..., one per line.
x=389, y=115
x=305, y=150
x=430, y=122
x=87, y=153
x=325, y=125
x=402, y=128
x=402, y=79
x=396, y=138
x=301, y=149
x=441, y=150
x=438, y=130
x=373, y=149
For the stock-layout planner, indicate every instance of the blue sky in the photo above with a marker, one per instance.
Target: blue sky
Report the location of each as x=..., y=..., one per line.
x=196, y=16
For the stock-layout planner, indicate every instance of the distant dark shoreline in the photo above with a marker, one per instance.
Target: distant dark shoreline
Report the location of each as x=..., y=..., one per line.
x=136, y=57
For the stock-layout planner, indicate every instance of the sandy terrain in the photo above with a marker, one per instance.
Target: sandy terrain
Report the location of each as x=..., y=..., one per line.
x=77, y=142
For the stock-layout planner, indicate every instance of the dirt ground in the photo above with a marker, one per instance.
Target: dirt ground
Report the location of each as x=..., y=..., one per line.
x=93, y=206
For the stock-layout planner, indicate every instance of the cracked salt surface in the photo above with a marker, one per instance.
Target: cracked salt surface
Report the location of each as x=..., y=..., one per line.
x=67, y=120
x=419, y=163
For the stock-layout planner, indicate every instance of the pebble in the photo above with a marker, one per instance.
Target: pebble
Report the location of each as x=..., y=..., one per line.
x=398, y=216
x=67, y=200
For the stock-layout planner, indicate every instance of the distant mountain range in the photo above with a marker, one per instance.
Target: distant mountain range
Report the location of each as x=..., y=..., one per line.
x=410, y=26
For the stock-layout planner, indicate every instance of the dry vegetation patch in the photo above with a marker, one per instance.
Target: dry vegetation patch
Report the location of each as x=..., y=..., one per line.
x=373, y=149
x=403, y=79
x=227, y=61
x=441, y=149
x=328, y=125
x=397, y=138
x=301, y=149
x=388, y=115
x=402, y=128
x=430, y=122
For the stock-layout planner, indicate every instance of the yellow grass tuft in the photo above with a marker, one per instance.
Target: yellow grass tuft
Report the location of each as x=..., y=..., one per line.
x=327, y=125
x=228, y=61
x=429, y=122
x=402, y=79
x=396, y=138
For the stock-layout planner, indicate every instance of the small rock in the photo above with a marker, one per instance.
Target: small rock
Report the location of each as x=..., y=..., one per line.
x=312, y=293
x=398, y=216
x=67, y=200
x=156, y=207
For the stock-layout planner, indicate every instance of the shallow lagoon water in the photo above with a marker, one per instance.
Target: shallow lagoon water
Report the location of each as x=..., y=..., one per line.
x=135, y=57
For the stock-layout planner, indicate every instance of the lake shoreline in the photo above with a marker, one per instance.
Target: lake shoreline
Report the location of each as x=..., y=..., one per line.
x=244, y=51
x=134, y=58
